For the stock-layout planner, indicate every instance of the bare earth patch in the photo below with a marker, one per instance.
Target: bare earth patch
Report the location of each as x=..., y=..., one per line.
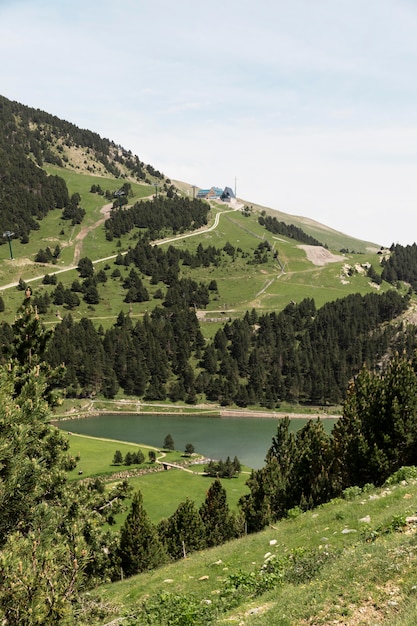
x=320, y=256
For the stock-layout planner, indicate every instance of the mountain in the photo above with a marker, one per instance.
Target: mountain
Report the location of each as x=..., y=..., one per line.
x=30, y=139
x=111, y=248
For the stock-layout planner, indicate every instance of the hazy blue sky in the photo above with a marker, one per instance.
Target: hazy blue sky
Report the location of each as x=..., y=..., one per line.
x=311, y=104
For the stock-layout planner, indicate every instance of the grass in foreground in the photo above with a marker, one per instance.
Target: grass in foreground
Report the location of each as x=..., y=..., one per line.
x=347, y=562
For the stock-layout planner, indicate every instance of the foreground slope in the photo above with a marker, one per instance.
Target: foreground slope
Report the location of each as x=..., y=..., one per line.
x=348, y=562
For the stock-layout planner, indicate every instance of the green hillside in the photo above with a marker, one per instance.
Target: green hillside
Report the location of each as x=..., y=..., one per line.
x=241, y=286
x=351, y=561
x=150, y=247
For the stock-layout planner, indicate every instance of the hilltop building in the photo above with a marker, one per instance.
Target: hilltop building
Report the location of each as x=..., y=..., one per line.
x=227, y=195
x=215, y=193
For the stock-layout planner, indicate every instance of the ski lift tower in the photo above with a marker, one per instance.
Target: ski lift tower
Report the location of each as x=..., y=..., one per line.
x=8, y=235
x=119, y=195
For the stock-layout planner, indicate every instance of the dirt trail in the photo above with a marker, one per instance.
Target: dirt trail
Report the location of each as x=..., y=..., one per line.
x=105, y=211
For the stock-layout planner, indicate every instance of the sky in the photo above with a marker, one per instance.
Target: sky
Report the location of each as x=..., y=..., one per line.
x=307, y=106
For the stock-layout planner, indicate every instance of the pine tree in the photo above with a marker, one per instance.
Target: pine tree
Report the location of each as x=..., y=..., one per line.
x=169, y=443
x=140, y=548
x=378, y=431
x=217, y=519
x=270, y=486
x=184, y=531
x=189, y=449
x=118, y=458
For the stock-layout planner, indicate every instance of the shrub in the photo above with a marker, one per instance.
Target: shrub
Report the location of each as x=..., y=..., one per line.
x=406, y=473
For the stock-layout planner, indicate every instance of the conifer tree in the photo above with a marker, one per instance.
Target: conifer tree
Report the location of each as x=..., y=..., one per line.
x=218, y=522
x=189, y=449
x=52, y=541
x=183, y=532
x=378, y=431
x=118, y=458
x=140, y=548
x=169, y=443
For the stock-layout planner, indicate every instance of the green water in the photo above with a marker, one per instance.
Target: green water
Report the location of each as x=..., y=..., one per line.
x=215, y=437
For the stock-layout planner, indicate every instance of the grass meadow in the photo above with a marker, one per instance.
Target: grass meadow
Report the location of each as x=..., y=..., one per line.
x=162, y=491
x=346, y=562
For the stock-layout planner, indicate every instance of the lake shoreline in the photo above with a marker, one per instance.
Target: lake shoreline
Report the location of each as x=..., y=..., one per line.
x=248, y=438
x=215, y=412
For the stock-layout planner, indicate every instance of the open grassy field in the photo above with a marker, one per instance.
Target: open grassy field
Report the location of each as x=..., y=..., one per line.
x=162, y=491
x=96, y=455
x=347, y=562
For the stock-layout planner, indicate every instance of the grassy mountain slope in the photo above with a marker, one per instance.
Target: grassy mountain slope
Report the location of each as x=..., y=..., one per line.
x=83, y=159
x=348, y=562
x=241, y=286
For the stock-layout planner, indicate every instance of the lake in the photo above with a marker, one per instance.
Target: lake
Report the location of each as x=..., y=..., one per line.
x=216, y=437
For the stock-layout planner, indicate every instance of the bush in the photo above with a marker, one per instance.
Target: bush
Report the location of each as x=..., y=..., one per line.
x=406, y=473
x=351, y=492
x=170, y=609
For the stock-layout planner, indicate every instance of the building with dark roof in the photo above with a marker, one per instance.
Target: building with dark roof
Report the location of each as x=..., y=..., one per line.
x=215, y=193
x=227, y=195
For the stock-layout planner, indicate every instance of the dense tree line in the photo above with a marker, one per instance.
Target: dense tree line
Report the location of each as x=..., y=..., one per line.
x=299, y=355
x=163, y=265
x=401, y=265
x=159, y=216
x=375, y=437
x=223, y=469
x=288, y=230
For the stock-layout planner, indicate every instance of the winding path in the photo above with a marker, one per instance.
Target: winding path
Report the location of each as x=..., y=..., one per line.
x=105, y=210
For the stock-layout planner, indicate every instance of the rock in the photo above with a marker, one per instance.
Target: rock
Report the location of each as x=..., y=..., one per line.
x=168, y=580
x=273, y=542
x=346, y=531
x=366, y=519
x=204, y=577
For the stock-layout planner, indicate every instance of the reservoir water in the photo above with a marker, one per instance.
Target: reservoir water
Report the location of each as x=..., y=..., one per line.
x=215, y=437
